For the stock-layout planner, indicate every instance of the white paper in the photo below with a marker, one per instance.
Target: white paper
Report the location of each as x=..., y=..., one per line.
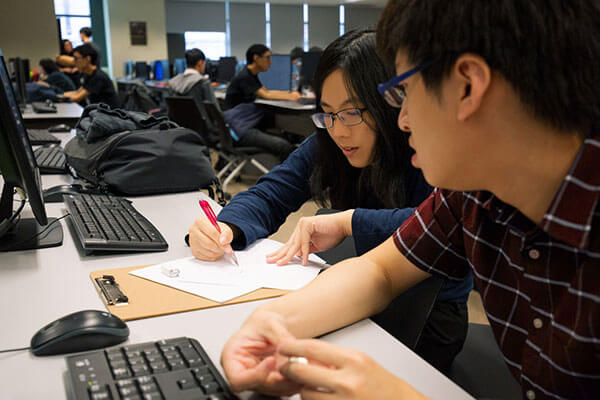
x=222, y=280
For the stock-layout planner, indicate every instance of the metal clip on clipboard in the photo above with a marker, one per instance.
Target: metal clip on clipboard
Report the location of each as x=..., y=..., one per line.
x=111, y=292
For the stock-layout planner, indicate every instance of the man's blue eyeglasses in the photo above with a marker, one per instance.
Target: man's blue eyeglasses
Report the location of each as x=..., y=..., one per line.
x=393, y=90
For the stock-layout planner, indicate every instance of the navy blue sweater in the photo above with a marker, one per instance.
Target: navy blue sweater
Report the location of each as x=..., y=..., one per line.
x=260, y=211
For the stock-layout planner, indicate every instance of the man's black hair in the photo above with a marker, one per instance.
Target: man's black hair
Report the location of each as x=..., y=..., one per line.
x=296, y=53
x=255, y=49
x=87, y=49
x=48, y=65
x=193, y=56
x=548, y=50
x=381, y=184
x=87, y=31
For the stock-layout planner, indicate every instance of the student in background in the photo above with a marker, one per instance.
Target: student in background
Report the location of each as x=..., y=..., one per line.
x=86, y=34
x=192, y=76
x=245, y=87
x=357, y=161
x=519, y=159
x=66, y=62
x=52, y=76
x=97, y=87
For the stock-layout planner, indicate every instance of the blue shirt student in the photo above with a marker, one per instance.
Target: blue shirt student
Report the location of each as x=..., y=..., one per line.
x=262, y=209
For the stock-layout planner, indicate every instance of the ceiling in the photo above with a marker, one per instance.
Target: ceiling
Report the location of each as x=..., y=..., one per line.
x=366, y=3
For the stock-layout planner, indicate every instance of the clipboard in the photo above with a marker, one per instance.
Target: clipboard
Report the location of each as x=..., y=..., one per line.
x=151, y=299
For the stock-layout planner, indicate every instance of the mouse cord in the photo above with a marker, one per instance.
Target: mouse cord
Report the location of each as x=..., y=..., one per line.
x=43, y=230
x=10, y=350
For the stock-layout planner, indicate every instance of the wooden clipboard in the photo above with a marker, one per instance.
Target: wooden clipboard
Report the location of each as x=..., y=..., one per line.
x=150, y=299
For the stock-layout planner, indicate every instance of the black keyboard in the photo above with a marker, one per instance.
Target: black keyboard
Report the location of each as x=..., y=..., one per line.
x=43, y=107
x=168, y=369
x=41, y=136
x=307, y=100
x=110, y=223
x=51, y=160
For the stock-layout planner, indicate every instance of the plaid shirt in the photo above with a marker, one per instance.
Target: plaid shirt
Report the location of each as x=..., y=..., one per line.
x=540, y=283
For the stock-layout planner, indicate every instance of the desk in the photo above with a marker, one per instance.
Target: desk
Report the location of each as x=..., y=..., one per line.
x=66, y=113
x=39, y=286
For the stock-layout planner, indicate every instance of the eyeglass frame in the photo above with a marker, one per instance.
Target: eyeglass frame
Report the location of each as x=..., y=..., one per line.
x=360, y=110
x=396, y=81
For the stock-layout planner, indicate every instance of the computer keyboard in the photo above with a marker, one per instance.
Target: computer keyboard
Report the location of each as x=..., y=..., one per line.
x=41, y=136
x=307, y=100
x=167, y=369
x=43, y=107
x=51, y=160
x=110, y=223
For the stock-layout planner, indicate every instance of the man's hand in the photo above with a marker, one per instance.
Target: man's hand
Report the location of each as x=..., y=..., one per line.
x=334, y=372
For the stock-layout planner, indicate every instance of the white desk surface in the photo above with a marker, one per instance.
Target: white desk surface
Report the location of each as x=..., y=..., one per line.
x=39, y=286
x=63, y=110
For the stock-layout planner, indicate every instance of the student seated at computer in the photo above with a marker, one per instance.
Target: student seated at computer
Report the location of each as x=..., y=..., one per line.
x=193, y=81
x=245, y=87
x=359, y=161
x=50, y=75
x=518, y=158
x=97, y=87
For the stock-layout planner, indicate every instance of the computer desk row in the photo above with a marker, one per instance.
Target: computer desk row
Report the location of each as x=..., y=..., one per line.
x=39, y=286
x=67, y=113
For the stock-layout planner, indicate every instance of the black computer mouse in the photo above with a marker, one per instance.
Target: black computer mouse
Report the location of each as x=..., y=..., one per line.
x=55, y=193
x=80, y=331
x=60, y=128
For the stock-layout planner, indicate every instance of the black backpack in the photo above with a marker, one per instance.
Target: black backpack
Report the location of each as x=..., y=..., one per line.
x=143, y=162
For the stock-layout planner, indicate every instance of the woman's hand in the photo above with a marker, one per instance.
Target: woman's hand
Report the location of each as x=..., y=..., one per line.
x=250, y=360
x=334, y=372
x=207, y=243
x=312, y=235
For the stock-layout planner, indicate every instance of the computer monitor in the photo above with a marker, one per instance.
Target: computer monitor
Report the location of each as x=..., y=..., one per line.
x=279, y=76
x=226, y=69
x=20, y=79
x=180, y=65
x=310, y=60
x=212, y=70
x=128, y=69
x=20, y=175
x=160, y=70
x=142, y=70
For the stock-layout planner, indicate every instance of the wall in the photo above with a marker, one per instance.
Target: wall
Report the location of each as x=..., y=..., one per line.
x=361, y=17
x=27, y=34
x=119, y=14
x=286, y=28
x=247, y=27
x=324, y=25
x=195, y=16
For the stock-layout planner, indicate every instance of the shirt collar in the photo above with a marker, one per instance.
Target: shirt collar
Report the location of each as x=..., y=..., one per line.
x=190, y=71
x=569, y=217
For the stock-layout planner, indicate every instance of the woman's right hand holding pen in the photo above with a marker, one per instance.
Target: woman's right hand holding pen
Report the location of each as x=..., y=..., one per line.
x=312, y=235
x=207, y=243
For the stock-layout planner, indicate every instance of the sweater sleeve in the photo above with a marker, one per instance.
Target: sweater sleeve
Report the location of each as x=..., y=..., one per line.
x=372, y=227
x=260, y=211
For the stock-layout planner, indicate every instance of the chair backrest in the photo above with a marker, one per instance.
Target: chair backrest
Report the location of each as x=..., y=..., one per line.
x=226, y=141
x=184, y=111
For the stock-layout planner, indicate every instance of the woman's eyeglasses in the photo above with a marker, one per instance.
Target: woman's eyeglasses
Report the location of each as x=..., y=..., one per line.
x=393, y=91
x=348, y=117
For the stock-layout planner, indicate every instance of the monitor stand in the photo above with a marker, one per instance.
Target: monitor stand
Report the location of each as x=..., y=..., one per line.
x=27, y=234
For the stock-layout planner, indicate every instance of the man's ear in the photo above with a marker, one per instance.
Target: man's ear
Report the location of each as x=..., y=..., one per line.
x=474, y=77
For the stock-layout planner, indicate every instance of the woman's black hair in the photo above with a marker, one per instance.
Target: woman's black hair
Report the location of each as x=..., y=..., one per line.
x=380, y=184
x=48, y=65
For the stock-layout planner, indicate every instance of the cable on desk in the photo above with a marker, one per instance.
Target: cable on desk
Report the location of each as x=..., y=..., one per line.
x=10, y=350
x=44, y=230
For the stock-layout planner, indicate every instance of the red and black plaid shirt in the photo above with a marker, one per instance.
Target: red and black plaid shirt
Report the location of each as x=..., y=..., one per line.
x=540, y=284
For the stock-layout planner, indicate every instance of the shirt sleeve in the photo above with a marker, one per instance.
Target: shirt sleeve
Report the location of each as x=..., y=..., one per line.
x=249, y=86
x=260, y=211
x=432, y=238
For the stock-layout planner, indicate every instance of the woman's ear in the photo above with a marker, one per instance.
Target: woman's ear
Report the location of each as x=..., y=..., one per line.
x=474, y=77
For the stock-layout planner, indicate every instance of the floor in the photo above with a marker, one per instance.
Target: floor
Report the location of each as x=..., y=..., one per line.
x=474, y=304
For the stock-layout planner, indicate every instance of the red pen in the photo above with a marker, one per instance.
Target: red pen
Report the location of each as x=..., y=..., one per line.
x=210, y=214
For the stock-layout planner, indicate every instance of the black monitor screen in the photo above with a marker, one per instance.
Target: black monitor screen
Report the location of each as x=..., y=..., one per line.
x=141, y=70
x=279, y=76
x=17, y=161
x=310, y=60
x=226, y=69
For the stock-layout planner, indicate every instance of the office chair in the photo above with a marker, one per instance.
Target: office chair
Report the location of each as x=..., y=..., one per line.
x=236, y=157
x=480, y=368
x=185, y=111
